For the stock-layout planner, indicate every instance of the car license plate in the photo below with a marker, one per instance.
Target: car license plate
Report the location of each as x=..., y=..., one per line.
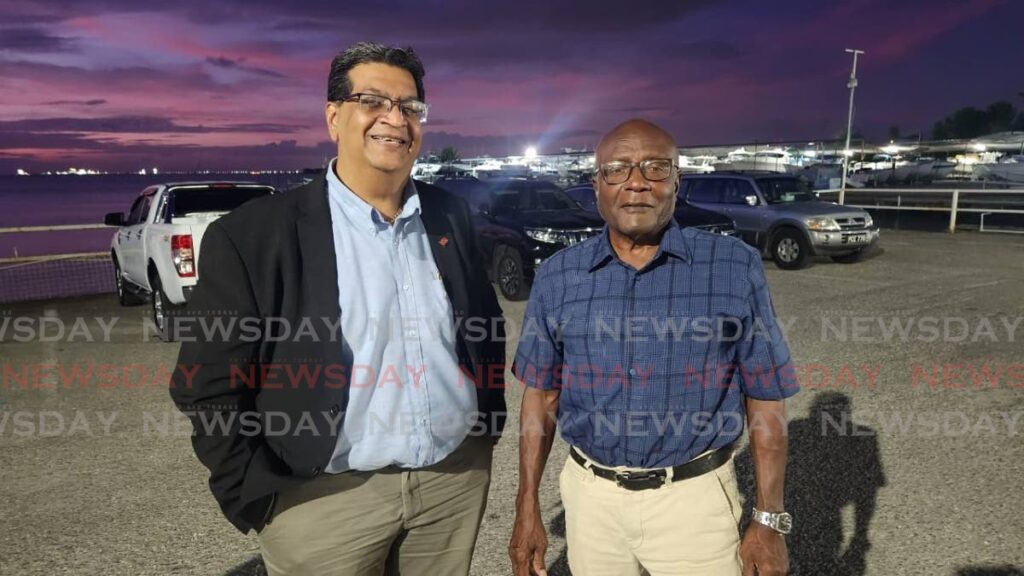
x=855, y=239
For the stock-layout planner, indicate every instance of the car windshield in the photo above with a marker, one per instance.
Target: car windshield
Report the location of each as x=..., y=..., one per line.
x=551, y=198
x=197, y=200
x=584, y=196
x=531, y=197
x=785, y=190
x=470, y=189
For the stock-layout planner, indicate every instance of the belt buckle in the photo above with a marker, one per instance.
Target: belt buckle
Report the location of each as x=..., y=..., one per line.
x=640, y=480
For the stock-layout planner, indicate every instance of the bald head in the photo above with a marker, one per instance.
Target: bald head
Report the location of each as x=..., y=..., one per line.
x=636, y=208
x=635, y=133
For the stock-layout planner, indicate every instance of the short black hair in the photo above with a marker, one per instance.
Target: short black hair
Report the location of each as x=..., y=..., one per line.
x=338, y=83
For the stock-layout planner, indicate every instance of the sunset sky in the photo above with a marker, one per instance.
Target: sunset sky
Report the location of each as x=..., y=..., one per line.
x=233, y=84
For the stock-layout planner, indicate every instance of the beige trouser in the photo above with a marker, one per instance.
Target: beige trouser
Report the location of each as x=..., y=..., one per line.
x=413, y=522
x=685, y=528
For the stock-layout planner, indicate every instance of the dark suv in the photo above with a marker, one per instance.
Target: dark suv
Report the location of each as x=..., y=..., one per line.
x=782, y=216
x=519, y=224
x=687, y=215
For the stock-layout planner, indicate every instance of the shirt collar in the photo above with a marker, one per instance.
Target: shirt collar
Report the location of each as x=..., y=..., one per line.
x=673, y=242
x=359, y=210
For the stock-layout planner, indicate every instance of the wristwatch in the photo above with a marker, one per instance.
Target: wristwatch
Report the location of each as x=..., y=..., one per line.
x=781, y=522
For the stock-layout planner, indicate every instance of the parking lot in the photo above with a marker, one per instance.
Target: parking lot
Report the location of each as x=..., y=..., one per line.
x=906, y=454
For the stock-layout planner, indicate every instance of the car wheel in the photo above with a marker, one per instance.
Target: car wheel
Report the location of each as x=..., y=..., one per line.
x=162, y=310
x=789, y=249
x=508, y=274
x=848, y=258
x=125, y=297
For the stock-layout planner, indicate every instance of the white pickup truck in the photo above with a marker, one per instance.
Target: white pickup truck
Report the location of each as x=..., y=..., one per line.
x=156, y=247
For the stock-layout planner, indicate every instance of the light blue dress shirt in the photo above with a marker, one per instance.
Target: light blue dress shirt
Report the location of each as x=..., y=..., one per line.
x=409, y=405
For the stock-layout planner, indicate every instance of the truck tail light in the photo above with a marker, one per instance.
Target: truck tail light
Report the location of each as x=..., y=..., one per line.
x=183, y=255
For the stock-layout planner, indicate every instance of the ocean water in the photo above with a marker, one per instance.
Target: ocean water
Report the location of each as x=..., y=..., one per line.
x=53, y=200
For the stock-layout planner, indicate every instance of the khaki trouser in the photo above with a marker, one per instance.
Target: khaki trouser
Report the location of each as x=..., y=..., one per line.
x=688, y=527
x=391, y=521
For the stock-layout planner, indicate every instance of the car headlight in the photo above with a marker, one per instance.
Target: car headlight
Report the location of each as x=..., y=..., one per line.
x=868, y=221
x=822, y=224
x=546, y=235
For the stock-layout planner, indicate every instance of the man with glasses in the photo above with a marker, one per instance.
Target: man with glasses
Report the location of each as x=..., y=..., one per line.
x=361, y=417
x=654, y=343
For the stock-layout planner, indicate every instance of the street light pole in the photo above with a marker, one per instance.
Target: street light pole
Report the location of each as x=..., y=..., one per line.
x=852, y=85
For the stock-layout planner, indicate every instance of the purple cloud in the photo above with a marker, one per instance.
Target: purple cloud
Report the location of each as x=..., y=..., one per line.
x=33, y=40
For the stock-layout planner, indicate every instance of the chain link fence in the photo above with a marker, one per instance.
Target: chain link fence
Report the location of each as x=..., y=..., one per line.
x=59, y=276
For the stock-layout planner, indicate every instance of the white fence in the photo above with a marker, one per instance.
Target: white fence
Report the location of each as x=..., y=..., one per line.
x=937, y=200
x=17, y=259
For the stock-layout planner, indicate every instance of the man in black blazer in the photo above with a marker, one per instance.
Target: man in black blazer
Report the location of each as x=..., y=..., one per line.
x=294, y=378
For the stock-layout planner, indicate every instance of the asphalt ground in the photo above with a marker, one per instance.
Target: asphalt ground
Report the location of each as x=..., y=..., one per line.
x=906, y=451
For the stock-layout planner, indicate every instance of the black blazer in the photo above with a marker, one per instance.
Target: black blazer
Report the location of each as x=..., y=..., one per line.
x=271, y=263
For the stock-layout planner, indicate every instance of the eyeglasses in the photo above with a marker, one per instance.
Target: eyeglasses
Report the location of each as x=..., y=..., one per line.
x=413, y=110
x=655, y=170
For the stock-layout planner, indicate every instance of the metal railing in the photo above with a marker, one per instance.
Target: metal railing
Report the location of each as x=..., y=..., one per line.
x=54, y=228
x=1013, y=196
x=59, y=271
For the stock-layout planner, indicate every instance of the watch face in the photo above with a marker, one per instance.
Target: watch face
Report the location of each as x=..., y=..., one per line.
x=785, y=523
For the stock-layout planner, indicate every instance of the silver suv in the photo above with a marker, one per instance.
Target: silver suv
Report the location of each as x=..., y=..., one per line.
x=782, y=216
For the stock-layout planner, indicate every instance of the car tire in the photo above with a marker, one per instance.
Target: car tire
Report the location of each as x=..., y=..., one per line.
x=509, y=275
x=125, y=297
x=789, y=249
x=162, y=310
x=849, y=258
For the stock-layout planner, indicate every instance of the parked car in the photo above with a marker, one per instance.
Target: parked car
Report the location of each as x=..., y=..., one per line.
x=156, y=247
x=519, y=224
x=782, y=216
x=583, y=194
x=687, y=215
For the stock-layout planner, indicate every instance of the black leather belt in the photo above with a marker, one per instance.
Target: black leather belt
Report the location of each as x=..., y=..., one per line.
x=650, y=479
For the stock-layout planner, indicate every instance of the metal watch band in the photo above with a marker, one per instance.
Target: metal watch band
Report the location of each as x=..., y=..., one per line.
x=781, y=522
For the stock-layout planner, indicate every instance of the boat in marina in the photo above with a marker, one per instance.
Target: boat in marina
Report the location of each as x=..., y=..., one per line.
x=1009, y=169
x=696, y=164
x=771, y=160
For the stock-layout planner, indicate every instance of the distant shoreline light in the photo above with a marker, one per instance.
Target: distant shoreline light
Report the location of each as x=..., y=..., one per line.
x=152, y=172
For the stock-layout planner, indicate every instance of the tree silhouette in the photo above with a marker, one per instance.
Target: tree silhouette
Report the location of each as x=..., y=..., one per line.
x=449, y=155
x=971, y=122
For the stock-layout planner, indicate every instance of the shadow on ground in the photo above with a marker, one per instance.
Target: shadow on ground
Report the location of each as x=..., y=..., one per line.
x=560, y=567
x=990, y=571
x=253, y=567
x=833, y=463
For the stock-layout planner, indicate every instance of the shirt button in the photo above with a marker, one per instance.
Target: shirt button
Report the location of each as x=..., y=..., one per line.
x=410, y=333
x=406, y=287
x=316, y=470
x=632, y=371
x=334, y=410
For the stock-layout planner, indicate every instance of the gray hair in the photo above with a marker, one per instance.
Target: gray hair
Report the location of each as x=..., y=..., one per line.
x=338, y=83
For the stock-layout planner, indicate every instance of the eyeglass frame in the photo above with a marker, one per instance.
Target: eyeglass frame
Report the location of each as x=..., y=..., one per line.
x=641, y=165
x=391, y=102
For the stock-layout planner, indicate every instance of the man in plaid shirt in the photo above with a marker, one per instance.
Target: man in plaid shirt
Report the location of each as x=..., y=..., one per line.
x=650, y=346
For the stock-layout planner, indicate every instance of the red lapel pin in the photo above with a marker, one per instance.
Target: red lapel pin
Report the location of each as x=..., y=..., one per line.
x=443, y=241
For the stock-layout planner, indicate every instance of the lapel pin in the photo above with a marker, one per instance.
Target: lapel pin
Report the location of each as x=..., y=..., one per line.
x=443, y=241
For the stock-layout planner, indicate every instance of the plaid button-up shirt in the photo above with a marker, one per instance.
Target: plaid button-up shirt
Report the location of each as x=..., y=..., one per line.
x=653, y=364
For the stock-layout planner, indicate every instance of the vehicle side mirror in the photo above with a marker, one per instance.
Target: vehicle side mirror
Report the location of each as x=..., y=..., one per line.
x=751, y=200
x=114, y=219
